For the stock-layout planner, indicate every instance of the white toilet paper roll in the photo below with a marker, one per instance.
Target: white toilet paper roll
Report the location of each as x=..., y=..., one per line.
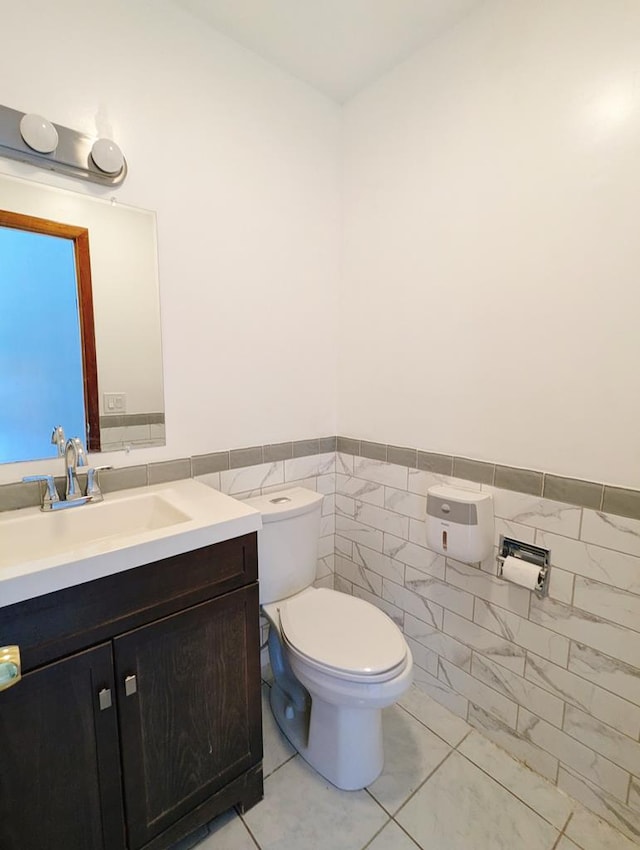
x=521, y=572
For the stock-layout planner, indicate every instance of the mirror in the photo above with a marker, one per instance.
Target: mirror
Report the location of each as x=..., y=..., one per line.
x=126, y=318
x=45, y=283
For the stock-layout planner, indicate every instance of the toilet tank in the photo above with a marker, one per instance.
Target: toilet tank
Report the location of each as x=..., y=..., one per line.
x=288, y=541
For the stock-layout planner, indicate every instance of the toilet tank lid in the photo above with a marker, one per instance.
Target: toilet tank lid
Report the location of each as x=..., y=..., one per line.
x=285, y=503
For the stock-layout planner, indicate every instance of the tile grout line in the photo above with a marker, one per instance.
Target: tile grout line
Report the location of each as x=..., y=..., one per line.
x=384, y=825
x=421, y=785
x=550, y=629
x=556, y=842
x=563, y=832
x=409, y=836
x=560, y=729
x=571, y=641
x=506, y=788
x=247, y=827
x=568, y=821
x=282, y=764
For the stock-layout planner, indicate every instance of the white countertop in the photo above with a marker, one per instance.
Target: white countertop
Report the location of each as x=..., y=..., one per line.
x=41, y=552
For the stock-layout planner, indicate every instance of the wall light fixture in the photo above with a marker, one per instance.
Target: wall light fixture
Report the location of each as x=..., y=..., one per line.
x=38, y=133
x=107, y=156
x=33, y=139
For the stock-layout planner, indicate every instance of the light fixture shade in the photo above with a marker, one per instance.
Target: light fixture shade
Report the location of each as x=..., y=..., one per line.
x=107, y=156
x=38, y=133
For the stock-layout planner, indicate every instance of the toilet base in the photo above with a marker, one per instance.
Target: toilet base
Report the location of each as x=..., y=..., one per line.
x=342, y=743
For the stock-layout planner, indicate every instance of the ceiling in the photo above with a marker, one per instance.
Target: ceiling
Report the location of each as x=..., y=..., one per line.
x=337, y=46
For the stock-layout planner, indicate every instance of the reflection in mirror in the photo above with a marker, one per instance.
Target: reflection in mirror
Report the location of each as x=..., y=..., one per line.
x=47, y=345
x=126, y=399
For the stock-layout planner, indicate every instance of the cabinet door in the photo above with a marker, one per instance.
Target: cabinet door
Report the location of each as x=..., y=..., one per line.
x=60, y=785
x=189, y=707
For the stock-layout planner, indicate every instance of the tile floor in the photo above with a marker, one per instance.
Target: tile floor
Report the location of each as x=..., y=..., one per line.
x=444, y=787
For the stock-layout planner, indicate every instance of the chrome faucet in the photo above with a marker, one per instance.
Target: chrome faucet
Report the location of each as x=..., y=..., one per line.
x=58, y=439
x=74, y=456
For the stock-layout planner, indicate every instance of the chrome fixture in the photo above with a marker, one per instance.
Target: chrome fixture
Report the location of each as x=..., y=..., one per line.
x=33, y=139
x=58, y=439
x=528, y=554
x=93, y=484
x=104, y=699
x=130, y=685
x=74, y=457
x=51, y=500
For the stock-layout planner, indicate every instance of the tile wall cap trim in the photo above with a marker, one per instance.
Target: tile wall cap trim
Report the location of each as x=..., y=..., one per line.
x=16, y=494
x=321, y=445
x=608, y=490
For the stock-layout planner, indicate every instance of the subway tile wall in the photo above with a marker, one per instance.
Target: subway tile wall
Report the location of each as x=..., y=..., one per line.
x=315, y=472
x=555, y=681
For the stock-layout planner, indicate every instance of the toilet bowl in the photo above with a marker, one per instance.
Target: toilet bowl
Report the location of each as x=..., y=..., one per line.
x=353, y=662
x=337, y=660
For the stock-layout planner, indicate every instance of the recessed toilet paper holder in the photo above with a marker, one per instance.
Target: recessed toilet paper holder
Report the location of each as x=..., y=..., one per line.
x=508, y=547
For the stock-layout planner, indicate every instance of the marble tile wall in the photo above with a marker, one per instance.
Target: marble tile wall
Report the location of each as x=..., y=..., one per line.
x=316, y=472
x=555, y=681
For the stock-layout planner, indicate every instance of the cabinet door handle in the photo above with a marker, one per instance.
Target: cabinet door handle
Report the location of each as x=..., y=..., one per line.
x=104, y=699
x=10, y=667
x=130, y=685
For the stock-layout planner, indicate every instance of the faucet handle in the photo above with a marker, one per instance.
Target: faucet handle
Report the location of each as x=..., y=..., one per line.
x=93, y=488
x=51, y=495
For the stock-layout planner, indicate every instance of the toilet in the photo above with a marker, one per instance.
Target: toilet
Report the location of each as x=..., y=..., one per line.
x=337, y=660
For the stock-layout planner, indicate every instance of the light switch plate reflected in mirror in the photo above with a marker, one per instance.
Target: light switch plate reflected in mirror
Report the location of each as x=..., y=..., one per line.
x=114, y=403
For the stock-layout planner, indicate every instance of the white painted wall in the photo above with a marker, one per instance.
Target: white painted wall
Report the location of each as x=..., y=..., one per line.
x=491, y=299
x=489, y=296
x=240, y=162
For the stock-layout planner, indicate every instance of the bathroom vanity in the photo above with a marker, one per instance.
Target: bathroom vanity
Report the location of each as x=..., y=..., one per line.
x=138, y=715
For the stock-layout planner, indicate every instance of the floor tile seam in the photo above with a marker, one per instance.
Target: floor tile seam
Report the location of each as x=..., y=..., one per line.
x=422, y=723
x=557, y=841
x=460, y=743
x=408, y=834
x=424, y=781
x=563, y=833
x=248, y=828
x=513, y=794
x=384, y=825
x=377, y=802
x=574, y=840
x=276, y=769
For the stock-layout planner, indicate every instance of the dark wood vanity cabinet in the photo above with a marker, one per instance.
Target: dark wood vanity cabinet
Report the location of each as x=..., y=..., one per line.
x=139, y=716
x=59, y=761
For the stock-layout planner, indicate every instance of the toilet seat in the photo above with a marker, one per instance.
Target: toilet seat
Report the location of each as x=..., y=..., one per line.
x=343, y=636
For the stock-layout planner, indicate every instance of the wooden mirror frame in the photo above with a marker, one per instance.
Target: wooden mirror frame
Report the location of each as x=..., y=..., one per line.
x=80, y=237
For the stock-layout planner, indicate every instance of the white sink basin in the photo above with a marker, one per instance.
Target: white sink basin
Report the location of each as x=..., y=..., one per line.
x=43, y=551
x=50, y=533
